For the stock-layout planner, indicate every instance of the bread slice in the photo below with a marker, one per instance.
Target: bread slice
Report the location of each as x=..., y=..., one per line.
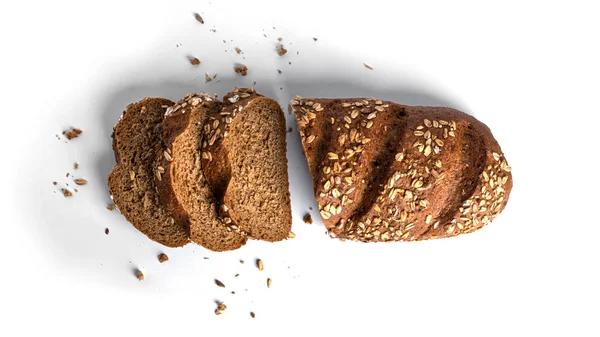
x=388, y=172
x=180, y=179
x=225, y=169
x=246, y=165
x=137, y=141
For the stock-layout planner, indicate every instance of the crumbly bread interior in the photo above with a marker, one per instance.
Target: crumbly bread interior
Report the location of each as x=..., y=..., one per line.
x=137, y=141
x=257, y=192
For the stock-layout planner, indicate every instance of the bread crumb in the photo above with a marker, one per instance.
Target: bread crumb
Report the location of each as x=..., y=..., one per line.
x=289, y=109
x=80, y=181
x=368, y=66
x=290, y=130
x=106, y=231
x=237, y=275
x=76, y=190
x=279, y=71
x=220, y=308
x=307, y=219
x=310, y=208
x=207, y=77
x=241, y=69
x=76, y=166
x=233, y=292
x=282, y=51
x=213, y=30
x=252, y=314
x=260, y=264
x=199, y=18
x=238, y=50
x=67, y=193
x=242, y=261
x=162, y=258
x=279, y=39
x=67, y=175
x=139, y=275
x=194, y=61
x=54, y=183
x=269, y=283
x=314, y=38
x=219, y=283
x=291, y=235
x=111, y=207
x=73, y=133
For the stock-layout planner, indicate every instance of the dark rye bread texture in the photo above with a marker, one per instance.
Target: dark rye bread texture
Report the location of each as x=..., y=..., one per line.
x=137, y=141
x=244, y=159
x=180, y=179
x=225, y=169
x=388, y=172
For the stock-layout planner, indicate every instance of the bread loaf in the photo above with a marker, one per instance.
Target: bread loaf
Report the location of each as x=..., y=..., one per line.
x=388, y=172
x=137, y=141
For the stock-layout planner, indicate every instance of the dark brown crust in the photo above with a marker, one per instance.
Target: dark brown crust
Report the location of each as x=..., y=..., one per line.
x=142, y=207
x=365, y=194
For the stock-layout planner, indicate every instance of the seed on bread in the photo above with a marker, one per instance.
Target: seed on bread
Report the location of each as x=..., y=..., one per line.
x=269, y=283
x=199, y=18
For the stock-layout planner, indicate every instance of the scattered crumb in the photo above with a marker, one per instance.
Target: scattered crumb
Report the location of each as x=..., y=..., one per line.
x=199, y=18
x=252, y=314
x=237, y=275
x=289, y=130
x=220, y=308
x=310, y=208
x=260, y=264
x=76, y=166
x=265, y=35
x=162, y=258
x=213, y=30
x=241, y=69
x=206, y=257
x=238, y=50
x=194, y=61
x=269, y=283
x=279, y=71
x=76, y=190
x=73, y=133
x=291, y=235
x=54, y=183
x=279, y=39
x=111, y=207
x=242, y=261
x=307, y=219
x=282, y=51
x=80, y=181
x=254, y=83
x=314, y=38
x=207, y=77
x=68, y=174
x=368, y=66
x=219, y=283
x=289, y=109
x=139, y=275
x=67, y=193
x=233, y=292
x=106, y=231
x=290, y=63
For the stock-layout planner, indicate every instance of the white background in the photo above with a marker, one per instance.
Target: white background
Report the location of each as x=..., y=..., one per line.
x=527, y=69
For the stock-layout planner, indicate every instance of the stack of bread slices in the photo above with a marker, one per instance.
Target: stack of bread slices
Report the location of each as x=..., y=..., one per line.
x=214, y=172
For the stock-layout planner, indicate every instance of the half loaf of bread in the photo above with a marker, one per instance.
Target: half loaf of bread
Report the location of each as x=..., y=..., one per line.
x=388, y=172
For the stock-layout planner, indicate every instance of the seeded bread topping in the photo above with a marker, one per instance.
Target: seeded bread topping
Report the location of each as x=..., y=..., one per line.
x=387, y=172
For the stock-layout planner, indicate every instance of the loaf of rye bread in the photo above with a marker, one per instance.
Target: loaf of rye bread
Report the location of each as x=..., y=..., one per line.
x=137, y=141
x=389, y=172
x=224, y=169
